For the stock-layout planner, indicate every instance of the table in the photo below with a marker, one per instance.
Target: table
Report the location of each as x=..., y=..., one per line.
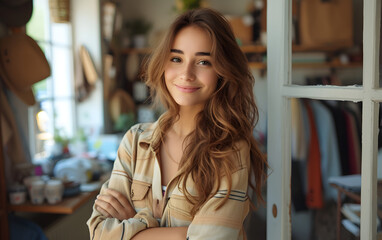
x=67, y=206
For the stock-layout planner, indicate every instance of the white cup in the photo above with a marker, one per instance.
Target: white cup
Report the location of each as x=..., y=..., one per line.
x=36, y=192
x=54, y=190
x=17, y=197
x=17, y=194
x=28, y=181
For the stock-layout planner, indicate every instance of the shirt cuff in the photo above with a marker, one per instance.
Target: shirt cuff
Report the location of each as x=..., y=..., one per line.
x=145, y=217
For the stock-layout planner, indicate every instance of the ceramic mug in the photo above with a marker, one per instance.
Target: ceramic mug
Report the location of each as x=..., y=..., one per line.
x=36, y=192
x=54, y=190
x=17, y=194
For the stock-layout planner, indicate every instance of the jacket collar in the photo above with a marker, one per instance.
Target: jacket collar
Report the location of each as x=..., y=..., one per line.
x=149, y=137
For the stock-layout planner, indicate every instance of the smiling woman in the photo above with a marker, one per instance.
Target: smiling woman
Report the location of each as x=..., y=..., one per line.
x=188, y=174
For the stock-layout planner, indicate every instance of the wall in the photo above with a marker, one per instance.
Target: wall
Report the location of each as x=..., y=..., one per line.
x=86, y=31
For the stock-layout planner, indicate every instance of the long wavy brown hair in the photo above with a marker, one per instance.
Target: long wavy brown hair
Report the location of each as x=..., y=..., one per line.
x=229, y=116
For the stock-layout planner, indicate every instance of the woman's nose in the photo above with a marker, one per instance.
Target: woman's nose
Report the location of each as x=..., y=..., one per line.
x=188, y=73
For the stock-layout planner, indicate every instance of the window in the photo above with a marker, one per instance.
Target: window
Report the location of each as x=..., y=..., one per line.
x=54, y=113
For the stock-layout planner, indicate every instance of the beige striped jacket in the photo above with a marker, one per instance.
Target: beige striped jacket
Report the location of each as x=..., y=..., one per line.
x=136, y=173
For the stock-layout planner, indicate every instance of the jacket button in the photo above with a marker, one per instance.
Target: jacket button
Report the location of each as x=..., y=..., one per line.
x=157, y=201
x=132, y=193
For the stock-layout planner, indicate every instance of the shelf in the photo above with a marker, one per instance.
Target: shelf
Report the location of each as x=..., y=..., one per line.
x=333, y=48
x=263, y=66
x=253, y=49
x=326, y=65
x=136, y=51
x=257, y=65
x=66, y=206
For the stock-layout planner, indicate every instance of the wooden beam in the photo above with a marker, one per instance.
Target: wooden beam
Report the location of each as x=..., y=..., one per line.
x=4, y=229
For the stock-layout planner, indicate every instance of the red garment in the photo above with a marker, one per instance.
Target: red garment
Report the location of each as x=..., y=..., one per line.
x=314, y=198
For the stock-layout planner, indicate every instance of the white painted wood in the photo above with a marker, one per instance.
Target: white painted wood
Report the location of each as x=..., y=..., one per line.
x=376, y=95
x=279, y=117
x=350, y=93
x=372, y=9
x=369, y=170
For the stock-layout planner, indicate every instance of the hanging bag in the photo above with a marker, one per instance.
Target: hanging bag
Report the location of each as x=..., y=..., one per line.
x=326, y=23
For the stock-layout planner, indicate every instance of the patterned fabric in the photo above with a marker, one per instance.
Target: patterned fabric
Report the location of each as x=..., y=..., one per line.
x=136, y=173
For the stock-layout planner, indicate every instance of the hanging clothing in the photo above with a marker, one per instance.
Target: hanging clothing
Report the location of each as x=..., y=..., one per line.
x=353, y=145
x=327, y=136
x=339, y=122
x=314, y=197
x=300, y=127
x=299, y=140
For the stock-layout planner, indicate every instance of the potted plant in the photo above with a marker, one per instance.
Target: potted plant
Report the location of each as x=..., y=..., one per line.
x=184, y=5
x=137, y=29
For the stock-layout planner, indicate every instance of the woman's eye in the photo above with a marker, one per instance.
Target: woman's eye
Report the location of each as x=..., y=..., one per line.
x=175, y=59
x=204, y=62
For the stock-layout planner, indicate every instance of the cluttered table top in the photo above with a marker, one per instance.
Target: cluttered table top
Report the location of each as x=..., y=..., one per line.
x=71, y=186
x=66, y=206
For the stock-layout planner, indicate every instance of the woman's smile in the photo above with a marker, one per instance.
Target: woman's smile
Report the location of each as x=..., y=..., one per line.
x=187, y=89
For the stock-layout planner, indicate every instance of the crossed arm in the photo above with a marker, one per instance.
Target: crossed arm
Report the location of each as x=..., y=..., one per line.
x=113, y=204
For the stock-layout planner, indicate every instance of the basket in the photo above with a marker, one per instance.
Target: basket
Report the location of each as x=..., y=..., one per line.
x=60, y=11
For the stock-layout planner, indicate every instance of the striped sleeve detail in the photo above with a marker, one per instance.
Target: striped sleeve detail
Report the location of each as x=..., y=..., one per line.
x=122, y=173
x=208, y=221
x=234, y=195
x=123, y=230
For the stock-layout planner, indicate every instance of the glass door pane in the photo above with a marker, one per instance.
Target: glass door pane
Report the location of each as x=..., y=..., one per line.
x=327, y=47
x=326, y=149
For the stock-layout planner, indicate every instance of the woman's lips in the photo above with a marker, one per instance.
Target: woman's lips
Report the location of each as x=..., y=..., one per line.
x=187, y=89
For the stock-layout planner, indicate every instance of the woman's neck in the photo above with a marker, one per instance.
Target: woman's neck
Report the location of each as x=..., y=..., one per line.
x=186, y=122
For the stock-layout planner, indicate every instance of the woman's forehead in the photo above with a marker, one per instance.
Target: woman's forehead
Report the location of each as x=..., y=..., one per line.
x=193, y=39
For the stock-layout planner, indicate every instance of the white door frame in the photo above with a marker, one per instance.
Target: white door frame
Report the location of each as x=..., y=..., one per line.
x=280, y=90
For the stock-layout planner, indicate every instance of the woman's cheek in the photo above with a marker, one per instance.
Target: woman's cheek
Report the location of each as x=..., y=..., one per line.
x=169, y=74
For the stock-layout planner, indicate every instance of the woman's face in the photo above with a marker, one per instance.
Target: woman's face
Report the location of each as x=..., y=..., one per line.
x=189, y=73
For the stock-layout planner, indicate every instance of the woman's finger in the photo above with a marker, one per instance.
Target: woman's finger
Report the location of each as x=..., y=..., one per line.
x=110, y=199
x=102, y=211
x=122, y=199
x=103, y=202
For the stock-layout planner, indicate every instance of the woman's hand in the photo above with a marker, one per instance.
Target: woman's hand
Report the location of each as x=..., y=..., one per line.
x=114, y=204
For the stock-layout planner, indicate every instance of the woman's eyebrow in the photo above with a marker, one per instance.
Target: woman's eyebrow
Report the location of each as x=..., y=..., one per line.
x=196, y=54
x=202, y=54
x=177, y=51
